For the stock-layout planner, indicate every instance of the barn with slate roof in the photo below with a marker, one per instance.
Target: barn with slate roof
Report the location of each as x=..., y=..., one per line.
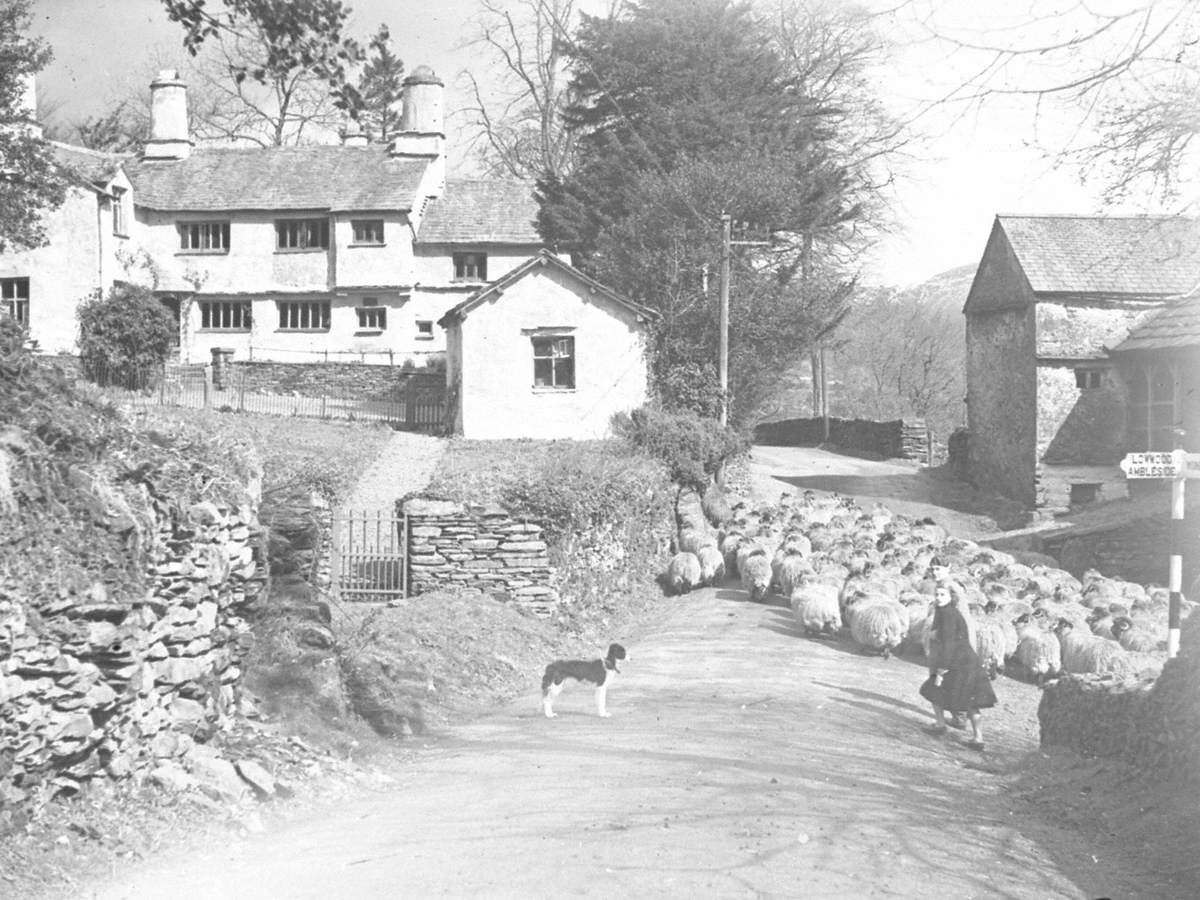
x=1076, y=352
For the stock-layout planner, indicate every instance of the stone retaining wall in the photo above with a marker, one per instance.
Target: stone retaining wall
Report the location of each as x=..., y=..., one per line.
x=890, y=440
x=369, y=382
x=91, y=683
x=478, y=548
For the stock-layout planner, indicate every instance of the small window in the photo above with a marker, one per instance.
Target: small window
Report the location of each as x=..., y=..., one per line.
x=470, y=267
x=371, y=316
x=554, y=362
x=14, y=299
x=368, y=231
x=1089, y=379
x=302, y=234
x=303, y=315
x=204, y=237
x=118, y=211
x=1084, y=494
x=424, y=329
x=224, y=315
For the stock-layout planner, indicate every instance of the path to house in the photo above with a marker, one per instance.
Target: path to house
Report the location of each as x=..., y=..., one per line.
x=405, y=464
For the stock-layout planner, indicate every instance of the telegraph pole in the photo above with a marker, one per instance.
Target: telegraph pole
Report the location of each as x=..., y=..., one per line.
x=723, y=353
x=1175, y=565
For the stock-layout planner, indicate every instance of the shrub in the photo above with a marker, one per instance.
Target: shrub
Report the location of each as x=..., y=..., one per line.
x=125, y=338
x=693, y=448
x=691, y=387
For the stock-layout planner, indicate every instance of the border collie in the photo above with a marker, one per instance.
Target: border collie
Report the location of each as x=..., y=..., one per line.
x=596, y=671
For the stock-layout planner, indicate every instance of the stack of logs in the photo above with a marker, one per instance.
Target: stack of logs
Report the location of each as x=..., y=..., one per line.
x=94, y=683
x=1152, y=724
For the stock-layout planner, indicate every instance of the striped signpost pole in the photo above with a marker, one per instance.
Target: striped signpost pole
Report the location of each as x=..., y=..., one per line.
x=1173, y=465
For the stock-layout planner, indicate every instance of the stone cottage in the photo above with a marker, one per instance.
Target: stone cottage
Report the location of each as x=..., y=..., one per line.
x=338, y=253
x=1059, y=384
x=544, y=352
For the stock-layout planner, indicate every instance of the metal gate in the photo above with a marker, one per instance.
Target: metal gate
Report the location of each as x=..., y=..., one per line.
x=368, y=556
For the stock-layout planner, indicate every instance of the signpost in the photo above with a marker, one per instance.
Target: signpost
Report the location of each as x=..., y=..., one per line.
x=1178, y=466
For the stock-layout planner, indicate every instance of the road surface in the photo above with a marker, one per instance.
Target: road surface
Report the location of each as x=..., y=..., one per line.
x=741, y=760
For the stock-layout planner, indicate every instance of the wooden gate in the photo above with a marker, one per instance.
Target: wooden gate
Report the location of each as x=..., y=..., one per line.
x=368, y=556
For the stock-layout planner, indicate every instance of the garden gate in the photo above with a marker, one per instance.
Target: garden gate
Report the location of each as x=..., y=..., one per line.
x=368, y=559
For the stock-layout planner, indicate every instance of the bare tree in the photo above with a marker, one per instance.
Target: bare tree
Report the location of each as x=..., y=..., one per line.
x=516, y=121
x=1128, y=71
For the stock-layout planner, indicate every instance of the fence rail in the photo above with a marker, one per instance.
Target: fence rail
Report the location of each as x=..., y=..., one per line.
x=417, y=408
x=368, y=556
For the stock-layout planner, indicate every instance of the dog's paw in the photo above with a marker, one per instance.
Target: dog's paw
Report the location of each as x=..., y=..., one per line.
x=551, y=715
x=606, y=715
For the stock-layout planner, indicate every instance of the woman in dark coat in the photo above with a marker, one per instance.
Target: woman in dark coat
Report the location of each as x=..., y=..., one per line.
x=957, y=679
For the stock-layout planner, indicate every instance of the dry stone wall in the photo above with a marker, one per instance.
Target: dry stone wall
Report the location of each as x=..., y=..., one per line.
x=480, y=548
x=93, y=684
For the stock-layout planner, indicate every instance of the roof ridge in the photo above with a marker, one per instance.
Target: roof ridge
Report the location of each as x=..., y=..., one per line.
x=88, y=151
x=1101, y=216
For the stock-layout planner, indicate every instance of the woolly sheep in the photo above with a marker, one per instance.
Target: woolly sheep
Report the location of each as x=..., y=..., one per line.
x=692, y=539
x=1038, y=652
x=877, y=623
x=712, y=565
x=683, y=572
x=1084, y=653
x=755, y=573
x=815, y=608
x=991, y=643
x=788, y=571
x=1133, y=638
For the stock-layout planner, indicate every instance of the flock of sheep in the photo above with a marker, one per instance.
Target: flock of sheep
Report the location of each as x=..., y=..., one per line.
x=871, y=573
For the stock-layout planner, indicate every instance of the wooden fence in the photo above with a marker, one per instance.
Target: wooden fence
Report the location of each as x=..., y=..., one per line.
x=368, y=557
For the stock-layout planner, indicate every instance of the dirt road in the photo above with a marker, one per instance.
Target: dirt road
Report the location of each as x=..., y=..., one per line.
x=741, y=760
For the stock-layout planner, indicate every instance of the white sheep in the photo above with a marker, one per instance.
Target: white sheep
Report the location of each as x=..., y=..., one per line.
x=1038, y=651
x=1084, y=653
x=815, y=608
x=991, y=644
x=712, y=565
x=692, y=539
x=683, y=573
x=755, y=571
x=1135, y=639
x=877, y=623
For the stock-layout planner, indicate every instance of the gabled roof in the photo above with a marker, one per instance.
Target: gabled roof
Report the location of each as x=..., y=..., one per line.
x=92, y=167
x=335, y=178
x=481, y=212
x=1138, y=256
x=543, y=258
x=1176, y=326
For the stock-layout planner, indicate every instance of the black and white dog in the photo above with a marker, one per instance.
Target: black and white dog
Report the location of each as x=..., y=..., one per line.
x=596, y=671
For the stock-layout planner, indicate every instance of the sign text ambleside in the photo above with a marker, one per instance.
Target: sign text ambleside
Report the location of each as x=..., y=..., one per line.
x=1153, y=465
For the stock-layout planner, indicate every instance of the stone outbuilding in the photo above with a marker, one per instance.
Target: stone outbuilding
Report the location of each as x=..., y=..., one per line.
x=1073, y=352
x=545, y=352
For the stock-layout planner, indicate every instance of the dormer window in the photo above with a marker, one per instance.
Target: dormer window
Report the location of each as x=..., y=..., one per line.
x=470, y=266
x=118, y=212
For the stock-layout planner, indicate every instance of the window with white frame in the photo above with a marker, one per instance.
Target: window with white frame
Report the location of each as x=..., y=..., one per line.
x=224, y=315
x=14, y=299
x=367, y=232
x=302, y=234
x=118, y=211
x=303, y=315
x=1087, y=379
x=554, y=362
x=203, y=237
x=470, y=266
x=371, y=316
x=1153, y=407
x=424, y=329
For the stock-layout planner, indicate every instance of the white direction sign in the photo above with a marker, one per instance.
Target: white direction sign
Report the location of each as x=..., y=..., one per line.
x=1154, y=465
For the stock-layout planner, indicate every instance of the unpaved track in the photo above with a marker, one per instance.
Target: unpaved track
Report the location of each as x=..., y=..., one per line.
x=741, y=760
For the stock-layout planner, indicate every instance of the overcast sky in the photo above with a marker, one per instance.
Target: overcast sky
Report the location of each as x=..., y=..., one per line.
x=970, y=168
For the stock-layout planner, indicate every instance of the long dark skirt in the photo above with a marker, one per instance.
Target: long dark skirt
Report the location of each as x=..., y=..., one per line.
x=966, y=688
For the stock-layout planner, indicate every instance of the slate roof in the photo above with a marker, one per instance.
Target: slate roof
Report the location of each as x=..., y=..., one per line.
x=542, y=258
x=324, y=177
x=481, y=212
x=1142, y=256
x=90, y=166
x=1176, y=326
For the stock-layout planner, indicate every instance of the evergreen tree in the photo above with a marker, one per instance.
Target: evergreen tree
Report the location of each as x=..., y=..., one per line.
x=30, y=181
x=381, y=85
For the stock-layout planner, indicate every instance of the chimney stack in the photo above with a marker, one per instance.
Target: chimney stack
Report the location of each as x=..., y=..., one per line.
x=422, y=134
x=27, y=117
x=353, y=135
x=168, y=118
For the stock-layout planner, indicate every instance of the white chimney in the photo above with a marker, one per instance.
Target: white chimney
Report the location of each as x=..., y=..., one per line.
x=422, y=134
x=168, y=118
x=27, y=118
x=353, y=135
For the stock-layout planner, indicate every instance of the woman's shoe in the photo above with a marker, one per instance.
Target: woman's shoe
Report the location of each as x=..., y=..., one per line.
x=934, y=729
x=975, y=745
